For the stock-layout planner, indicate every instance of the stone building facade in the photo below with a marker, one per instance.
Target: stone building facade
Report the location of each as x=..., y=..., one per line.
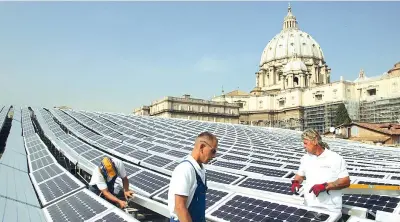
x=190, y=108
x=293, y=90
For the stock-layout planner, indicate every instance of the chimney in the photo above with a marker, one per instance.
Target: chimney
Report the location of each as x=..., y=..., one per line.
x=186, y=96
x=341, y=78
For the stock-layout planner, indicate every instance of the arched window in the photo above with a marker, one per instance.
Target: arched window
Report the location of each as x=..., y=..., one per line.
x=296, y=81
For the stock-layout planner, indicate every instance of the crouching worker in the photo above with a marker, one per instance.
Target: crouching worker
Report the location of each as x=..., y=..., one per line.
x=103, y=181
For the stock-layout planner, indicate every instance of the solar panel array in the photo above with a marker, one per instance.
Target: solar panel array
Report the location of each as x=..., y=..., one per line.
x=62, y=196
x=252, y=164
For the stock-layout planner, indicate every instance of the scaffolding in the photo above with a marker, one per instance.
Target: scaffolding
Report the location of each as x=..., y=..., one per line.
x=353, y=109
x=380, y=111
x=320, y=117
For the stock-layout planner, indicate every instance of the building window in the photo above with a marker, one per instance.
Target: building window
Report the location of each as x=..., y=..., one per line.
x=296, y=81
x=282, y=103
x=371, y=92
x=318, y=97
x=354, y=131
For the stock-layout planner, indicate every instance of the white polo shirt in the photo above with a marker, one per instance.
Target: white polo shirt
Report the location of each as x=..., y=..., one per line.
x=327, y=167
x=98, y=179
x=183, y=182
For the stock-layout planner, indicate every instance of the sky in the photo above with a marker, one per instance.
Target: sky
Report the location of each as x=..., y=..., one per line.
x=117, y=56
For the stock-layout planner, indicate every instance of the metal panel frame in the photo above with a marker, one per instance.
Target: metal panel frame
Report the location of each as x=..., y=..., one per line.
x=117, y=212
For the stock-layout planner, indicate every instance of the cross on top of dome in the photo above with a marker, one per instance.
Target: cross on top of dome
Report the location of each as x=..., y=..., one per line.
x=290, y=20
x=361, y=75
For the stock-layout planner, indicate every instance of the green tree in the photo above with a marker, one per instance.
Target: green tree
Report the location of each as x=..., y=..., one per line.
x=342, y=117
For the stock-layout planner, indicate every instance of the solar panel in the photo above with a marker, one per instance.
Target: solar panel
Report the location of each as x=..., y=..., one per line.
x=114, y=216
x=157, y=161
x=213, y=196
x=366, y=175
x=176, y=153
x=265, y=163
x=281, y=148
x=144, y=144
x=219, y=177
x=82, y=149
x=80, y=206
x=235, y=166
x=244, y=208
x=239, y=153
x=56, y=187
x=35, y=148
x=267, y=185
x=291, y=167
x=149, y=182
x=172, y=166
x=92, y=154
x=159, y=149
x=37, y=155
x=42, y=162
x=124, y=149
x=133, y=141
x=231, y=157
x=267, y=171
x=140, y=155
x=47, y=172
x=130, y=169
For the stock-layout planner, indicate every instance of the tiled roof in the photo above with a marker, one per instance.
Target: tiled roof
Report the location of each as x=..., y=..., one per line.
x=386, y=128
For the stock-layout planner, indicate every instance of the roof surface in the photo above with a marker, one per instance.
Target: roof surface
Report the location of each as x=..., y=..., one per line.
x=237, y=93
x=18, y=200
x=386, y=128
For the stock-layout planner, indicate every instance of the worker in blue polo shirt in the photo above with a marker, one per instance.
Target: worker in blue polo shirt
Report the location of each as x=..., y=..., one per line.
x=188, y=185
x=103, y=181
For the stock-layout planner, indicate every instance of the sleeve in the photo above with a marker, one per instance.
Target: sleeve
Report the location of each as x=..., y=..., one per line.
x=121, y=168
x=99, y=180
x=301, y=171
x=343, y=168
x=182, y=179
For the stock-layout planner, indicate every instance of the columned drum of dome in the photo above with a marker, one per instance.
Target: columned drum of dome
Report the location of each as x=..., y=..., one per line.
x=281, y=50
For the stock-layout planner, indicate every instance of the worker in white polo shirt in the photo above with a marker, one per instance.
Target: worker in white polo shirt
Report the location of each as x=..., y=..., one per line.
x=103, y=181
x=188, y=186
x=324, y=172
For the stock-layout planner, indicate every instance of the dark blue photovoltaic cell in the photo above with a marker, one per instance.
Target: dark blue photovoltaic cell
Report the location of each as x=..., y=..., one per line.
x=149, y=182
x=372, y=202
x=242, y=208
x=78, y=207
x=266, y=185
x=111, y=217
x=219, y=177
